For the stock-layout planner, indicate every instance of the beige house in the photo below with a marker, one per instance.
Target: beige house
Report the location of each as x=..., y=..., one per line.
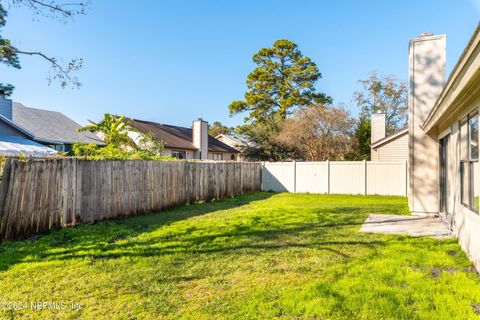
x=184, y=143
x=444, y=173
x=233, y=142
x=387, y=148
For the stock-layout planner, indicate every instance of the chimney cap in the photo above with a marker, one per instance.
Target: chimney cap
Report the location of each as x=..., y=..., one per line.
x=426, y=34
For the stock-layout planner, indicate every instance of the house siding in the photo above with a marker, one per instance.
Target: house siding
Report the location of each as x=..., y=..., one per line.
x=463, y=222
x=8, y=130
x=6, y=108
x=189, y=153
x=459, y=98
x=393, y=151
x=233, y=144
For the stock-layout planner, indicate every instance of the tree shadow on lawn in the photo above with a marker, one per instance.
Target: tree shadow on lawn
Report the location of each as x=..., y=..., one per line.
x=102, y=236
x=330, y=231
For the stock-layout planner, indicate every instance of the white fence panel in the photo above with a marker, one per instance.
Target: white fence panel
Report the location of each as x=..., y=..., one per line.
x=347, y=177
x=336, y=177
x=386, y=178
x=278, y=176
x=312, y=177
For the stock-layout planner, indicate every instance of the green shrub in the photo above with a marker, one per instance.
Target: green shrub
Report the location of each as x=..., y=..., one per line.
x=94, y=152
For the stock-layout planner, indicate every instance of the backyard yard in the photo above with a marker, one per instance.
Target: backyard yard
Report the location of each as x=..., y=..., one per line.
x=257, y=256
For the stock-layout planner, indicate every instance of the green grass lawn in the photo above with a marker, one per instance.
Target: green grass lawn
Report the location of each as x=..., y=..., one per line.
x=258, y=256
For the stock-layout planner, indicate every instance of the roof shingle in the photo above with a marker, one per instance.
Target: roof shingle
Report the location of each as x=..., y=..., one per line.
x=51, y=125
x=177, y=137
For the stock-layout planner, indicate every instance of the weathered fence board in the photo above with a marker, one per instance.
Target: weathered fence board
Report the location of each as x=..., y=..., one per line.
x=42, y=194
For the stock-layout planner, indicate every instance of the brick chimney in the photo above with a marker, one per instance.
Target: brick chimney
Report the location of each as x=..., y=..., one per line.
x=378, y=127
x=200, y=138
x=427, y=56
x=5, y=106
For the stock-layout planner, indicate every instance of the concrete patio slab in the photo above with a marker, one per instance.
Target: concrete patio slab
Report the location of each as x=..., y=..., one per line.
x=415, y=226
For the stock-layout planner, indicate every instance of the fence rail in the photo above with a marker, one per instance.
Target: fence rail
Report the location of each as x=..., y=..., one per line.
x=336, y=177
x=39, y=195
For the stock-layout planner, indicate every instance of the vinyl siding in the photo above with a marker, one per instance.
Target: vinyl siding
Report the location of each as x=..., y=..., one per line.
x=7, y=130
x=396, y=150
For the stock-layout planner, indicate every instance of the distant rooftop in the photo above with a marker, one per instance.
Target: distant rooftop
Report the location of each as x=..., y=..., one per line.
x=51, y=125
x=177, y=137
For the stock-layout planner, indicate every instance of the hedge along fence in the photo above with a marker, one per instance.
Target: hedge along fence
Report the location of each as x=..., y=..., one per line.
x=39, y=195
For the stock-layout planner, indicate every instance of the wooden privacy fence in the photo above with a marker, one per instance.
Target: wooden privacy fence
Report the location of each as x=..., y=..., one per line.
x=337, y=177
x=39, y=195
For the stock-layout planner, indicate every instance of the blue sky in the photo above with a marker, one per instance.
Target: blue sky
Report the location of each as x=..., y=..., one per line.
x=172, y=61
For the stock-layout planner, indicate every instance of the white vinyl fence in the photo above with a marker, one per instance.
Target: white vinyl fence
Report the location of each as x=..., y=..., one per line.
x=336, y=177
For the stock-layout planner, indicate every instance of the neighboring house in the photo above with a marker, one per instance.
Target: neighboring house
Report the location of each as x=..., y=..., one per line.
x=233, y=142
x=16, y=145
x=37, y=132
x=185, y=143
x=387, y=148
x=444, y=170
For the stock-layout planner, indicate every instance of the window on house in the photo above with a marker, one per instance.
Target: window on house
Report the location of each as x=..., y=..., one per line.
x=217, y=156
x=469, y=167
x=179, y=154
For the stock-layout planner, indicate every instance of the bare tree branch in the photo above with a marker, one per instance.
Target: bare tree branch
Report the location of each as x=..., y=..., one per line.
x=63, y=74
x=42, y=7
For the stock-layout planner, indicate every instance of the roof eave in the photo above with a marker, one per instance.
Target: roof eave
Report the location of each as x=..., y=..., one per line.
x=385, y=140
x=224, y=151
x=14, y=125
x=432, y=118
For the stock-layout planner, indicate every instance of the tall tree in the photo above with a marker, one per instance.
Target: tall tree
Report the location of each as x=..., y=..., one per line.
x=283, y=79
x=262, y=141
x=217, y=128
x=9, y=53
x=361, y=142
x=386, y=94
x=319, y=132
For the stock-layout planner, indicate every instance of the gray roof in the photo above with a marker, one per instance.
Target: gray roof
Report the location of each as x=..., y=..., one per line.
x=51, y=125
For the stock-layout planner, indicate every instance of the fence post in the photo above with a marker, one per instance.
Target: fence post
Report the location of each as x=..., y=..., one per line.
x=262, y=168
x=328, y=176
x=365, y=175
x=294, y=176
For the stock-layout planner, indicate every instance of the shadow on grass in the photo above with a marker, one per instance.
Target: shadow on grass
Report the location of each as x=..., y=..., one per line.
x=329, y=231
x=104, y=235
